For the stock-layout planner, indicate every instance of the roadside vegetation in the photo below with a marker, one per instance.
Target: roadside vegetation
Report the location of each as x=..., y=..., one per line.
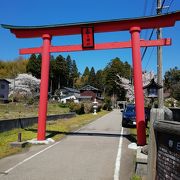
x=55, y=129
x=133, y=133
x=135, y=177
x=20, y=110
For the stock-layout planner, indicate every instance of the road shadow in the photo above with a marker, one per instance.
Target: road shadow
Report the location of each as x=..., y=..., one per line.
x=98, y=134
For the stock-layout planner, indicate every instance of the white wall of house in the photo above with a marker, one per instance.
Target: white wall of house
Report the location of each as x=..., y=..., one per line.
x=65, y=99
x=4, y=90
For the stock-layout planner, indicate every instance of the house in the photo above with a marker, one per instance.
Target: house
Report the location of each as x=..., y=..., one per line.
x=90, y=93
x=4, y=90
x=69, y=94
x=67, y=91
x=69, y=98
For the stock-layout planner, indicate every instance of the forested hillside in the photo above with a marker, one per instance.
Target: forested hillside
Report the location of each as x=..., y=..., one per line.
x=10, y=69
x=64, y=73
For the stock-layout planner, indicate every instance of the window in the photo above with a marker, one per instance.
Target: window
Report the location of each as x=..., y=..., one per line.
x=1, y=96
x=153, y=92
x=2, y=86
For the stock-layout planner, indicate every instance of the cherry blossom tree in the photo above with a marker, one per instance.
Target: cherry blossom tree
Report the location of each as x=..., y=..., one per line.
x=128, y=86
x=24, y=85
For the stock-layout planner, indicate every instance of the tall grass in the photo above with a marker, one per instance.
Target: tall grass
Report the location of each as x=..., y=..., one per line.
x=19, y=110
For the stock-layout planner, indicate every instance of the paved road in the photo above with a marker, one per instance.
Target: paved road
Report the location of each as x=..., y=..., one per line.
x=95, y=152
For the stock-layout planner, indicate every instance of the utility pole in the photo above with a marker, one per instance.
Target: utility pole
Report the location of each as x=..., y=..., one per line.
x=159, y=60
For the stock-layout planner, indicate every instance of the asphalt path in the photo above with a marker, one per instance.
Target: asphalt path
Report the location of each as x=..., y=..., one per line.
x=97, y=151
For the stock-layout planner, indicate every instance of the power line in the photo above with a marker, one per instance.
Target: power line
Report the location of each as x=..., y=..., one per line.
x=143, y=50
x=162, y=4
x=160, y=9
x=146, y=32
x=170, y=5
x=146, y=46
x=149, y=58
x=153, y=32
x=153, y=7
x=145, y=8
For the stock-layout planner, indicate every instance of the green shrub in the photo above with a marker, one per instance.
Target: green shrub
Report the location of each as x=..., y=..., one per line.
x=63, y=105
x=107, y=107
x=81, y=110
x=88, y=107
x=99, y=108
x=135, y=177
x=30, y=101
x=107, y=104
x=75, y=107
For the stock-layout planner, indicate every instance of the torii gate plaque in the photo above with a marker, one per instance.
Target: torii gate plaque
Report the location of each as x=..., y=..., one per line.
x=132, y=25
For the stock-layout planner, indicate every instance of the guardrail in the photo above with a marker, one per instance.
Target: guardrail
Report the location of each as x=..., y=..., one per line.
x=6, y=125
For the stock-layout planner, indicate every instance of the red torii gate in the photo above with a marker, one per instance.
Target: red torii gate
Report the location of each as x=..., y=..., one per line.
x=132, y=25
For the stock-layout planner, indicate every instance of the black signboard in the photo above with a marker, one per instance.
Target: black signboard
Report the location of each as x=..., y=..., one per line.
x=168, y=156
x=87, y=37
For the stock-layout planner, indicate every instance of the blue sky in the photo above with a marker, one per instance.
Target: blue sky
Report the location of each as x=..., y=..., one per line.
x=44, y=12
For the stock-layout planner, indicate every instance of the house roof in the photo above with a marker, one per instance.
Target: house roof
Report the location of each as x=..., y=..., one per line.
x=5, y=80
x=71, y=94
x=71, y=90
x=152, y=84
x=89, y=88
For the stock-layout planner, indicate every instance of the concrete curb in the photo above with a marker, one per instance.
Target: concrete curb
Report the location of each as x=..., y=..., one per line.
x=141, y=160
x=35, y=141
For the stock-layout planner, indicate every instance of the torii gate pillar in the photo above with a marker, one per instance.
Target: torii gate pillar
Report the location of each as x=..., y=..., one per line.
x=44, y=87
x=138, y=88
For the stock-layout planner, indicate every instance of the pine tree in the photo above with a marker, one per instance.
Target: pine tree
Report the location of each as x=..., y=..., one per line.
x=92, y=77
x=74, y=72
x=34, y=66
x=85, y=77
x=86, y=72
x=60, y=67
x=100, y=80
x=116, y=66
x=69, y=71
x=52, y=75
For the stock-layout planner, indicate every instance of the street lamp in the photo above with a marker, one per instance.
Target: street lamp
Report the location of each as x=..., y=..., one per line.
x=95, y=106
x=152, y=89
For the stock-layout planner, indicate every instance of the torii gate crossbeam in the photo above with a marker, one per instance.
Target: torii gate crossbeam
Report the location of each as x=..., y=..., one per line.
x=101, y=46
x=134, y=26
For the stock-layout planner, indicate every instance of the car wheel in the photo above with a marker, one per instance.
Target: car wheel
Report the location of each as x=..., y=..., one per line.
x=124, y=124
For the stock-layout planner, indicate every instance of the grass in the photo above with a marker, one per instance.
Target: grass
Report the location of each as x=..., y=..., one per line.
x=135, y=177
x=18, y=110
x=133, y=132
x=58, y=126
x=10, y=136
